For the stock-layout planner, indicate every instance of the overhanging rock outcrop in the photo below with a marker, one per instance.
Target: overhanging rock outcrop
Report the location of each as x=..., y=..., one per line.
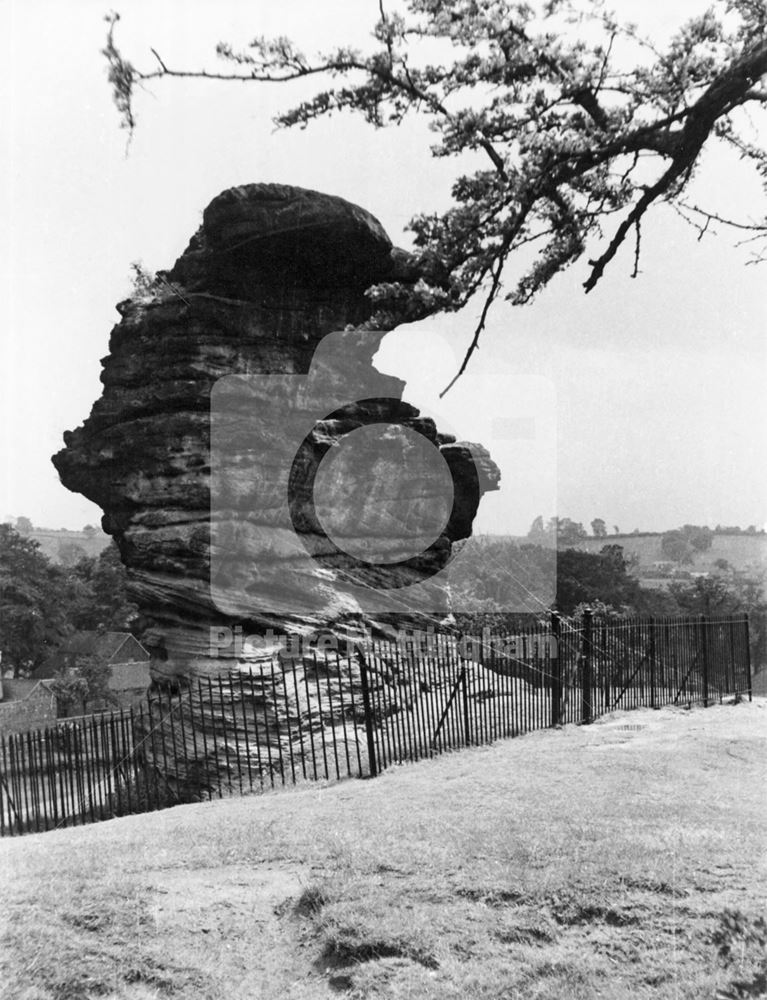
x=230, y=340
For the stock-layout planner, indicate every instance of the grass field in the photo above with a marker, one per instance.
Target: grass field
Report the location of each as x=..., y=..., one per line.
x=576, y=863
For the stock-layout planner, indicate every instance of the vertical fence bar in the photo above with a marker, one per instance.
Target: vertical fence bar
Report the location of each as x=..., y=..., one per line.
x=116, y=762
x=651, y=655
x=405, y=701
x=86, y=723
x=350, y=661
x=224, y=730
x=301, y=737
x=80, y=806
x=34, y=777
x=3, y=792
x=309, y=719
x=204, y=775
x=388, y=691
x=256, y=733
x=245, y=732
x=366, y=708
x=15, y=786
x=50, y=772
x=344, y=712
x=214, y=736
x=704, y=642
x=556, y=670
x=398, y=735
x=290, y=736
x=407, y=669
x=586, y=653
x=184, y=699
x=321, y=713
x=272, y=700
x=329, y=686
x=173, y=744
x=135, y=747
x=146, y=757
x=747, y=655
x=376, y=654
x=8, y=784
x=106, y=762
x=98, y=785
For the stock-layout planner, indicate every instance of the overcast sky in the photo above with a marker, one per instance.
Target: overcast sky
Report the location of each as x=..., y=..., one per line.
x=655, y=386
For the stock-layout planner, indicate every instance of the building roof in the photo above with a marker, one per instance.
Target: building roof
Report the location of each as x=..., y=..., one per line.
x=106, y=646
x=19, y=688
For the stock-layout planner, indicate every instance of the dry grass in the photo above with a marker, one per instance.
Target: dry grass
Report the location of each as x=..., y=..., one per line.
x=580, y=863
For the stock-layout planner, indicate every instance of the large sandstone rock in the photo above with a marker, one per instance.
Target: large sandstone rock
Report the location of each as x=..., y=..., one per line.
x=243, y=317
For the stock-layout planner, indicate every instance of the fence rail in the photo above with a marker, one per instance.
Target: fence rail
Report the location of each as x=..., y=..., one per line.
x=330, y=715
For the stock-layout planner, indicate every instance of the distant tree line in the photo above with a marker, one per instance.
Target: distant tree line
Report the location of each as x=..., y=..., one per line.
x=500, y=577
x=678, y=545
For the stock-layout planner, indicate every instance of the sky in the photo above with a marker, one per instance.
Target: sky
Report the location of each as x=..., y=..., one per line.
x=647, y=396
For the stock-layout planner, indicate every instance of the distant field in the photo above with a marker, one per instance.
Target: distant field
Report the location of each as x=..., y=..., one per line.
x=53, y=543
x=574, y=864
x=743, y=552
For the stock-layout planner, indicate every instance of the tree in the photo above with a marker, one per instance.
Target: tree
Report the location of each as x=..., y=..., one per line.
x=495, y=576
x=32, y=610
x=582, y=127
x=700, y=538
x=100, y=596
x=705, y=596
x=566, y=531
x=586, y=578
x=681, y=544
x=538, y=535
x=676, y=546
x=598, y=528
x=87, y=683
x=24, y=526
x=70, y=554
x=69, y=690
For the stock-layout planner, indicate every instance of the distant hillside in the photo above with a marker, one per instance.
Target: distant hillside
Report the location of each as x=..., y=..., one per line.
x=59, y=546
x=746, y=553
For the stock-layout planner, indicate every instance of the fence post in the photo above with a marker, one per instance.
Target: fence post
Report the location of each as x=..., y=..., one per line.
x=651, y=653
x=463, y=681
x=586, y=654
x=372, y=763
x=747, y=642
x=704, y=654
x=556, y=671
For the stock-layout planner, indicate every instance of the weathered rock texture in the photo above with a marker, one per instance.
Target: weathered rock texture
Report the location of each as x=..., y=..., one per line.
x=271, y=271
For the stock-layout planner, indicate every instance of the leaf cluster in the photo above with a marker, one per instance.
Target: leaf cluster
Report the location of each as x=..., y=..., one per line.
x=571, y=125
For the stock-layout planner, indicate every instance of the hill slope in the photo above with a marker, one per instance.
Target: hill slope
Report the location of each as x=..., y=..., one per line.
x=581, y=863
x=747, y=553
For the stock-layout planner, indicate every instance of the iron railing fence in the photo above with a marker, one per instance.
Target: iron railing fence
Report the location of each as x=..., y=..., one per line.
x=332, y=714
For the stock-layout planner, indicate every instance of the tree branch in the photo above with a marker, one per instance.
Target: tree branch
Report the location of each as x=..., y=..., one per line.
x=726, y=92
x=490, y=298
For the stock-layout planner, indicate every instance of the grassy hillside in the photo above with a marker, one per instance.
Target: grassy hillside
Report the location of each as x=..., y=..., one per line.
x=580, y=863
x=53, y=543
x=743, y=552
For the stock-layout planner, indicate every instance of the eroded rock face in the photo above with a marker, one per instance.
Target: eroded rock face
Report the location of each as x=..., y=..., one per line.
x=271, y=272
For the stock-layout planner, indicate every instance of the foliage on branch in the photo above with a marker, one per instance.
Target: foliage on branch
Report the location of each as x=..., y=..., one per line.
x=581, y=124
